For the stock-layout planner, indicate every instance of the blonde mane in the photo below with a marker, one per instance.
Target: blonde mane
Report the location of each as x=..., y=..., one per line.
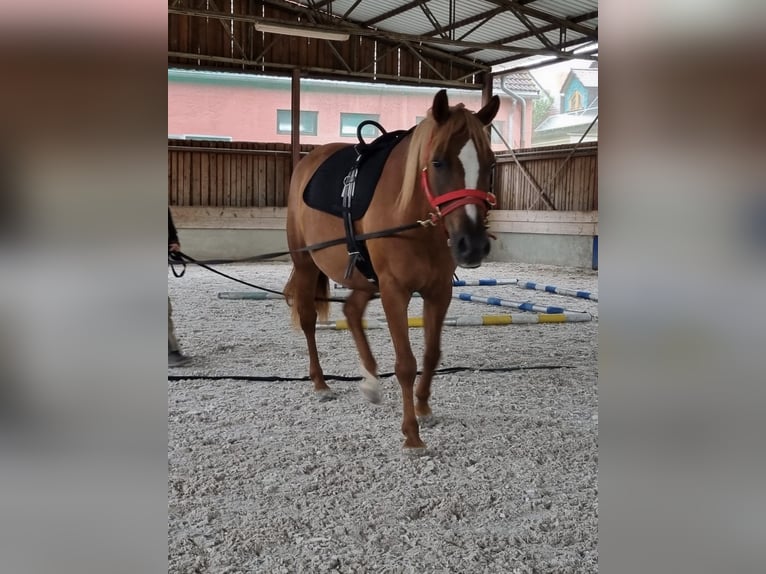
x=412, y=168
x=460, y=121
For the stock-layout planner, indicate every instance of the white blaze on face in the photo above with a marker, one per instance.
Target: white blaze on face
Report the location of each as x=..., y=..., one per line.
x=470, y=160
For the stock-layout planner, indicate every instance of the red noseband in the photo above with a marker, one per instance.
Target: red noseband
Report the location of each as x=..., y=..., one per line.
x=450, y=201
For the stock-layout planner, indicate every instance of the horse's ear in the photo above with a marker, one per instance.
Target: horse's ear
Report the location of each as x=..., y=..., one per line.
x=440, y=108
x=488, y=112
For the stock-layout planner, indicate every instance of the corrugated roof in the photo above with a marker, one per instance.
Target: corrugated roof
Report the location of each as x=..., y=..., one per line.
x=479, y=22
x=473, y=34
x=565, y=121
x=565, y=8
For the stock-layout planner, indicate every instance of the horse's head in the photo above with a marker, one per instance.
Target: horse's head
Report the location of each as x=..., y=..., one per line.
x=457, y=165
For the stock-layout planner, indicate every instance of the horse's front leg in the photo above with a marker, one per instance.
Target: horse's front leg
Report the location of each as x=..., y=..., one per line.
x=353, y=309
x=435, y=305
x=395, y=301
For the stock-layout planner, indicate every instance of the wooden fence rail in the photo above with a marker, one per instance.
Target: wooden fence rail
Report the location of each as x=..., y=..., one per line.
x=245, y=174
x=575, y=187
x=229, y=174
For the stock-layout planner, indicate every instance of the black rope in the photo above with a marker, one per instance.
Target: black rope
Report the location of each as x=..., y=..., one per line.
x=315, y=247
x=276, y=378
x=222, y=274
x=180, y=256
x=174, y=258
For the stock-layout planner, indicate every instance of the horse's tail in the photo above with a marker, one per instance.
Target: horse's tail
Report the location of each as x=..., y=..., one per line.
x=321, y=293
x=289, y=293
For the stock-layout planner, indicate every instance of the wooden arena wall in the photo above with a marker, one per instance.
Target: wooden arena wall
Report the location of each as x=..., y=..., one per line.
x=569, y=184
x=228, y=200
x=245, y=174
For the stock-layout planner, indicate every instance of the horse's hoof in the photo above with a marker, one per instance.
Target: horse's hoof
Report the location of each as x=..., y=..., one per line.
x=371, y=391
x=324, y=395
x=426, y=421
x=370, y=386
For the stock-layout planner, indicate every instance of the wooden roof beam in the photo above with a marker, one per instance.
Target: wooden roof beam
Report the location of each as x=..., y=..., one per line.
x=585, y=55
x=540, y=15
x=401, y=9
x=432, y=19
x=379, y=34
x=484, y=17
x=321, y=4
x=549, y=28
x=532, y=28
x=329, y=71
x=382, y=34
x=351, y=8
x=423, y=60
x=474, y=46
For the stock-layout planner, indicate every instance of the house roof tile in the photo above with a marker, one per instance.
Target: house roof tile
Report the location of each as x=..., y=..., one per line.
x=521, y=82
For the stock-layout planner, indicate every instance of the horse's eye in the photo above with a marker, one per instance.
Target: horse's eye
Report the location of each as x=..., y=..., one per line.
x=437, y=163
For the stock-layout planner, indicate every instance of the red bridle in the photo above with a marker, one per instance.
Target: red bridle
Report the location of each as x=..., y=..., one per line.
x=454, y=199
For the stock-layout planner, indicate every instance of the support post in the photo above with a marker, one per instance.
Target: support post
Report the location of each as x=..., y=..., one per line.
x=295, y=117
x=486, y=94
x=486, y=91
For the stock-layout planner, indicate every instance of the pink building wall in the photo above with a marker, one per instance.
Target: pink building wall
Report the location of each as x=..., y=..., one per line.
x=249, y=113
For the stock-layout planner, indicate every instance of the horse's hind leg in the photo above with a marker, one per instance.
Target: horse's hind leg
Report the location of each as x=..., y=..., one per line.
x=353, y=309
x=303, y=289
x=435, y=307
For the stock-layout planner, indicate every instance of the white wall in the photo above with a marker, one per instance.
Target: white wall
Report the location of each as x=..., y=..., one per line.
x=542, y=237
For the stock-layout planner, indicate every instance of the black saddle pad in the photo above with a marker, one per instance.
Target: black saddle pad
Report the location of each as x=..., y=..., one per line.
x=326, y=185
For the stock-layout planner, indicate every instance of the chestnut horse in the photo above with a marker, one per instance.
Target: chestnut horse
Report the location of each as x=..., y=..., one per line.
x=439, y=174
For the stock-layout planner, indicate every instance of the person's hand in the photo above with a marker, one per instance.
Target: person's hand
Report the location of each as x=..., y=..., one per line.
x=174, y=252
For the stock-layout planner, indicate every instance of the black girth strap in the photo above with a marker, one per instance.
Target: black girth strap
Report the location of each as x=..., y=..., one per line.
x=358, y=256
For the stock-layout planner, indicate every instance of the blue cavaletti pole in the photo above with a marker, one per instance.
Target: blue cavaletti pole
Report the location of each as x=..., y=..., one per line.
x=513, y=304
x=482, y=282
x=558, y=290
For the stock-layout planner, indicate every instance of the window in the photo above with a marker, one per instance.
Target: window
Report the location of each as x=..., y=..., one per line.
x=308, y=122
x=349, y=123
x=575, y=102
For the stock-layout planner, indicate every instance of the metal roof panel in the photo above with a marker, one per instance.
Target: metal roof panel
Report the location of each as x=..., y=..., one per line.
x=417, y=20
x=565, y=8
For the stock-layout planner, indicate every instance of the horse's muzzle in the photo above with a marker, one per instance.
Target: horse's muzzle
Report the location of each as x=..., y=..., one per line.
x=470, y=249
